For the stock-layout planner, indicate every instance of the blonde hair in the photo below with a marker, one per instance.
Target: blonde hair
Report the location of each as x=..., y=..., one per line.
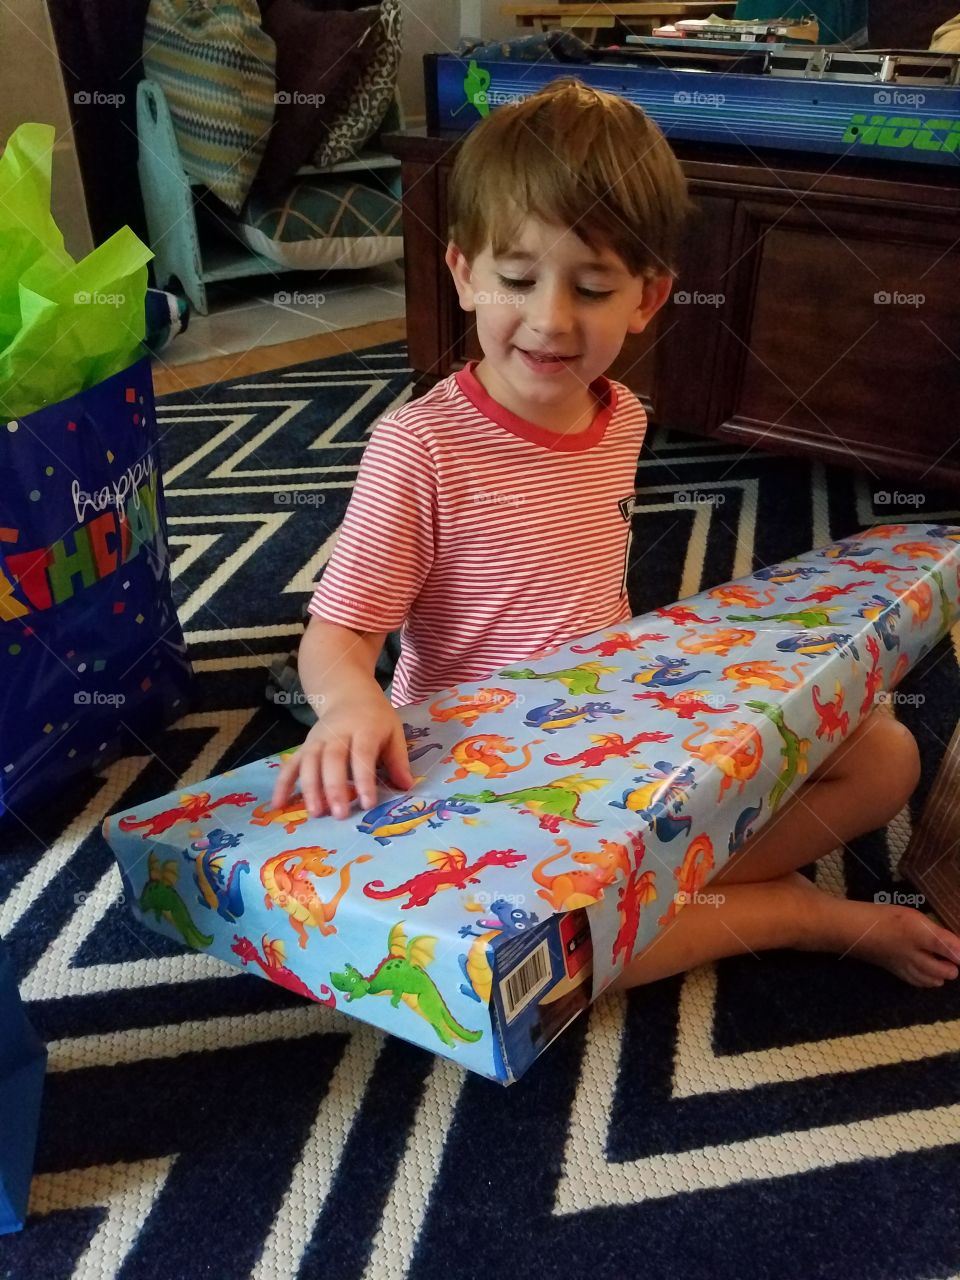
x=578, y=157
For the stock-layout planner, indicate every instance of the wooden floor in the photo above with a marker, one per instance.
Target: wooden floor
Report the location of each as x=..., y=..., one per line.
x=258, y=359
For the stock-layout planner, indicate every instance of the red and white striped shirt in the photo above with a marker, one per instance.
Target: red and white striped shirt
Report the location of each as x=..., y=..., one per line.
x=487, y=537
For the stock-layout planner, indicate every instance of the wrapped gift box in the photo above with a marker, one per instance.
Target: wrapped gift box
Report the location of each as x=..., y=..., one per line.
x=565, y=809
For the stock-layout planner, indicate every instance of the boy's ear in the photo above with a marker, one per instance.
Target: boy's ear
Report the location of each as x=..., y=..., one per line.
x=655, y=294
x=462, y=275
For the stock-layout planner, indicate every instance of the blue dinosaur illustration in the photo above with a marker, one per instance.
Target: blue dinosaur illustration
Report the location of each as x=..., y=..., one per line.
x=658, y=798
x=787, y=573
x=474, y=965
x=401, y=816
x=206, y=857
x=664, y=672
x=885, y=615
x=560, y=714
x=412, y=736
x=815, y=642
x=742, y=828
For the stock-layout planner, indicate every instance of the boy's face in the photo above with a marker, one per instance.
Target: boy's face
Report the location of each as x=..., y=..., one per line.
x=550, y=295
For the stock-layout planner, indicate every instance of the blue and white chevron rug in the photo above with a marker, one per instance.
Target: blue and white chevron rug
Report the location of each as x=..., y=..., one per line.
x=789, y=1115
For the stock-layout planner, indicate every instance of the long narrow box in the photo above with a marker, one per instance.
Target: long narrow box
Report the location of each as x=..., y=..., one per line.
x=564, y=810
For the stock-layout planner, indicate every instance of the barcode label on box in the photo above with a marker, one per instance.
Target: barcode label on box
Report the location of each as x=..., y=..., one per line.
x=526, y=982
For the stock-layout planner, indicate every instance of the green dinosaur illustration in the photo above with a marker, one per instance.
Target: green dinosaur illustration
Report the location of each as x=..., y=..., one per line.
x=805, y=617
x=402, y=976
x=578, y=680
x=475, y=85
x=553, y=803
x=794, y=750
x=160, y=897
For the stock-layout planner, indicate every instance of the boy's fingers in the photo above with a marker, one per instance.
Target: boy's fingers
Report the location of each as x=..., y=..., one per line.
x=363, y=761
x=310, y=766
x=286, y=778
x=398, y=762
x=334, y=776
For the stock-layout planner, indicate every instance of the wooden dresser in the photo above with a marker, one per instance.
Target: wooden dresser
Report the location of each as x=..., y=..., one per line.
x=817, y=310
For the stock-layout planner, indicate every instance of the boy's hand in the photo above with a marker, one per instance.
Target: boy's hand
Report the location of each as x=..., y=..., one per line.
x=353, y=733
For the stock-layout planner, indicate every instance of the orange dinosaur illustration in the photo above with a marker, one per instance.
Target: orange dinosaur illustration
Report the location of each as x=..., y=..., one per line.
x=763, y=673
x=833, y=718
x=687, y=703
x=449, y=869
x=899, y=671
x=690, y=876
x=470, y=707
x=736, y=752
x=918, y=598
x=720, y=642
x=605, y=746
x=483, y=753
x=286, y=878
x=289, y=816
x=918, y=550
x=730, y=594
x=576, y=888
x=888, y=530
x=192, y=808
x=618, y=642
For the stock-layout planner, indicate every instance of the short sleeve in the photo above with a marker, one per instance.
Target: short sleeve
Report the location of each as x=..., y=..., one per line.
x=385, y=546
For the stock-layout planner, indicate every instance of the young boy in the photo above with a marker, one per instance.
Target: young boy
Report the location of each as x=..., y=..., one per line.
x=485, y=520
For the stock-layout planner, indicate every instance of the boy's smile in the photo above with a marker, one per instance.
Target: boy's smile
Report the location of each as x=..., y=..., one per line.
x=552, y=314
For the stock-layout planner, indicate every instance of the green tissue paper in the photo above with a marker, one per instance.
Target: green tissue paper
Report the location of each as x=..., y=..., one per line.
x=64, y=325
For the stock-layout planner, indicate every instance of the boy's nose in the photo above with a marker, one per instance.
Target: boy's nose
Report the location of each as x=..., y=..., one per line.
x=550, y=313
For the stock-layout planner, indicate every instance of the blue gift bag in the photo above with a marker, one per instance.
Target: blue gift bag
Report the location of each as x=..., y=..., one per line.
x=92, y=658
x=23, y=1061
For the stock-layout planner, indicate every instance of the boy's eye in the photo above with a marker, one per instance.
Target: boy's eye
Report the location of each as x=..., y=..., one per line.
x=524, y=285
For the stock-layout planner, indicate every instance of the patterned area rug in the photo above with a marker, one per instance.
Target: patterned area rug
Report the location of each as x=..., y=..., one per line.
x=790, y=1115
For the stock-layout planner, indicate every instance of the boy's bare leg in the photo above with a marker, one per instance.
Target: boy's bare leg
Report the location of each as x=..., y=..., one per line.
x=766, y=903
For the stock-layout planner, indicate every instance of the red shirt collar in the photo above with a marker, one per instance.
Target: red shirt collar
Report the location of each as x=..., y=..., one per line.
x=557, y=442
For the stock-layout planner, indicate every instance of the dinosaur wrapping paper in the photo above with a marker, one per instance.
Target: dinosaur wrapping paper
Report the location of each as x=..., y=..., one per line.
x=565, y=809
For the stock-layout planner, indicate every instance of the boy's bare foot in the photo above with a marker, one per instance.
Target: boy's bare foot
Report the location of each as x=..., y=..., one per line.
x=901, y=939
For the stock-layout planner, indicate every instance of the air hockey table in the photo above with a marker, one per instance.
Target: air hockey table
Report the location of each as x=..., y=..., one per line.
x=816, y=311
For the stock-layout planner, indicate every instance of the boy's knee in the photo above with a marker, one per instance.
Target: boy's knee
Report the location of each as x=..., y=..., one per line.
x=889, y=756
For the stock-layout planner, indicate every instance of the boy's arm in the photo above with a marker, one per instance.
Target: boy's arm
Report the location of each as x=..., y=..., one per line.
x=337, y=662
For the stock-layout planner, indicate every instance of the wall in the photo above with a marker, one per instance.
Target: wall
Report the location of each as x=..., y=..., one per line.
x=31, y=88
x=429, y=26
